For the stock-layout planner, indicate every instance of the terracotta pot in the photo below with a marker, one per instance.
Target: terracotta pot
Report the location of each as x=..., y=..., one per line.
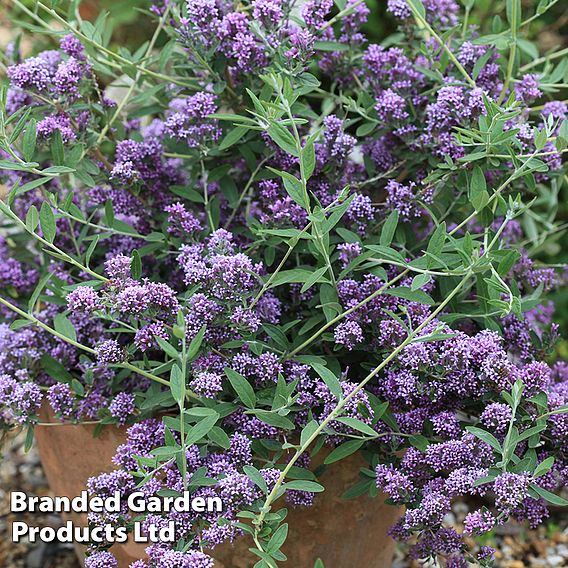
x=70, y=454
x=342, y=533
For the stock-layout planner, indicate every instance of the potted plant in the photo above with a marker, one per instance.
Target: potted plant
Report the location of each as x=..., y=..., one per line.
x=282, y=255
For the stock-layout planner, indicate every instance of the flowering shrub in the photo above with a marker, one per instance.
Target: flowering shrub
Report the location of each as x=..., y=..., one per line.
x=279, y=237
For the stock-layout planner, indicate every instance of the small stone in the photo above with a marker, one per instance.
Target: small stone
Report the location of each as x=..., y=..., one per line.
x=555, y=560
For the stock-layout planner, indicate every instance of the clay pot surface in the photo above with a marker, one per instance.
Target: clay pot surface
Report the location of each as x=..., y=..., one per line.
x=344, y=534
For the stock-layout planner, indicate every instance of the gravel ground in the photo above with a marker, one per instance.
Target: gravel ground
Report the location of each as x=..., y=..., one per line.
x=516, y=546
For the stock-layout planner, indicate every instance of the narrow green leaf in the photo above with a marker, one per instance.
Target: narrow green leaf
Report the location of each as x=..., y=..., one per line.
x=344, y=450
x=47, y=222
x=63, y=326
x=389, y=229
x=29, y=140
x=302, y=485
x=242, y=387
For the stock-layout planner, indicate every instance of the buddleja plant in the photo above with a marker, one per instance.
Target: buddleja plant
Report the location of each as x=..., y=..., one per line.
x=269, y=239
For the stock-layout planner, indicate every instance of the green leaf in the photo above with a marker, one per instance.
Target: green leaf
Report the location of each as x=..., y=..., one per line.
x=329, y=379
x=55, y=369
x=233, y=137
x=486, y=437
x=218, y=436
x=256, y=477
x=418, y=7
x=389, y=229
x=548, y=496
x=302, y=485
x=309, y=158
x=201, y=429
x=177, y=385
x=136, y=265
x=330, y=46
x=277, y=539
x=295, y=190
x=411, y=295
x=47, y=222
x=315, y=277
x=57, y=151
x=29, y=439
x=167, y=347
x=418, y=441
x=242, y=387
x=544, y=467
x=32, y=219
x=38, y=290
x=308, y=431
x=436, y=243
x=478, y=195
x=29, y=140
x=357, y=425
x=419, y=281
x=63, y=326
x=195, y=343
x=274, y=419
x=344, y=450
x=282, y=137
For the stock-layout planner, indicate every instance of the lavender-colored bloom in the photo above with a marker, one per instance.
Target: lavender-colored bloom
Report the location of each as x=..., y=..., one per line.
x=118, y=267
x=182, y=222
x=188, y=120
x=34, y=73
x=47, y=126
x=479, y=522
x=269, y=12
x=70, y=45
x=527, y=89
x=338, y=144
x=510, y=490
x=394, y=483
x=206, y=384
x=496, y=417
x=145, y=337
x=61, y=399
x=404, y=199
x=348, y=334
x=101, y=560
x=348, y=252
x=314, y=12
x=391, y=105
x=84, y=299
x=109, y=352
x=133, y=299
x=122, y=407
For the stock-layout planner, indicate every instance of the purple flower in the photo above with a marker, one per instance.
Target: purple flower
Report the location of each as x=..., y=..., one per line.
x=109, y=352
x=527, y=89
x=84, y=299
x=61, y=399
x=348, y=334
x=479, y=522
x=122, y=407
x=206, y=384
x=496, y=417
x=118, y=267
x=145, y=337
x=101, y=560
x=391, y=105
x=188, y=120
x=394, y=483
x=70, y=45
x=510, y=490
